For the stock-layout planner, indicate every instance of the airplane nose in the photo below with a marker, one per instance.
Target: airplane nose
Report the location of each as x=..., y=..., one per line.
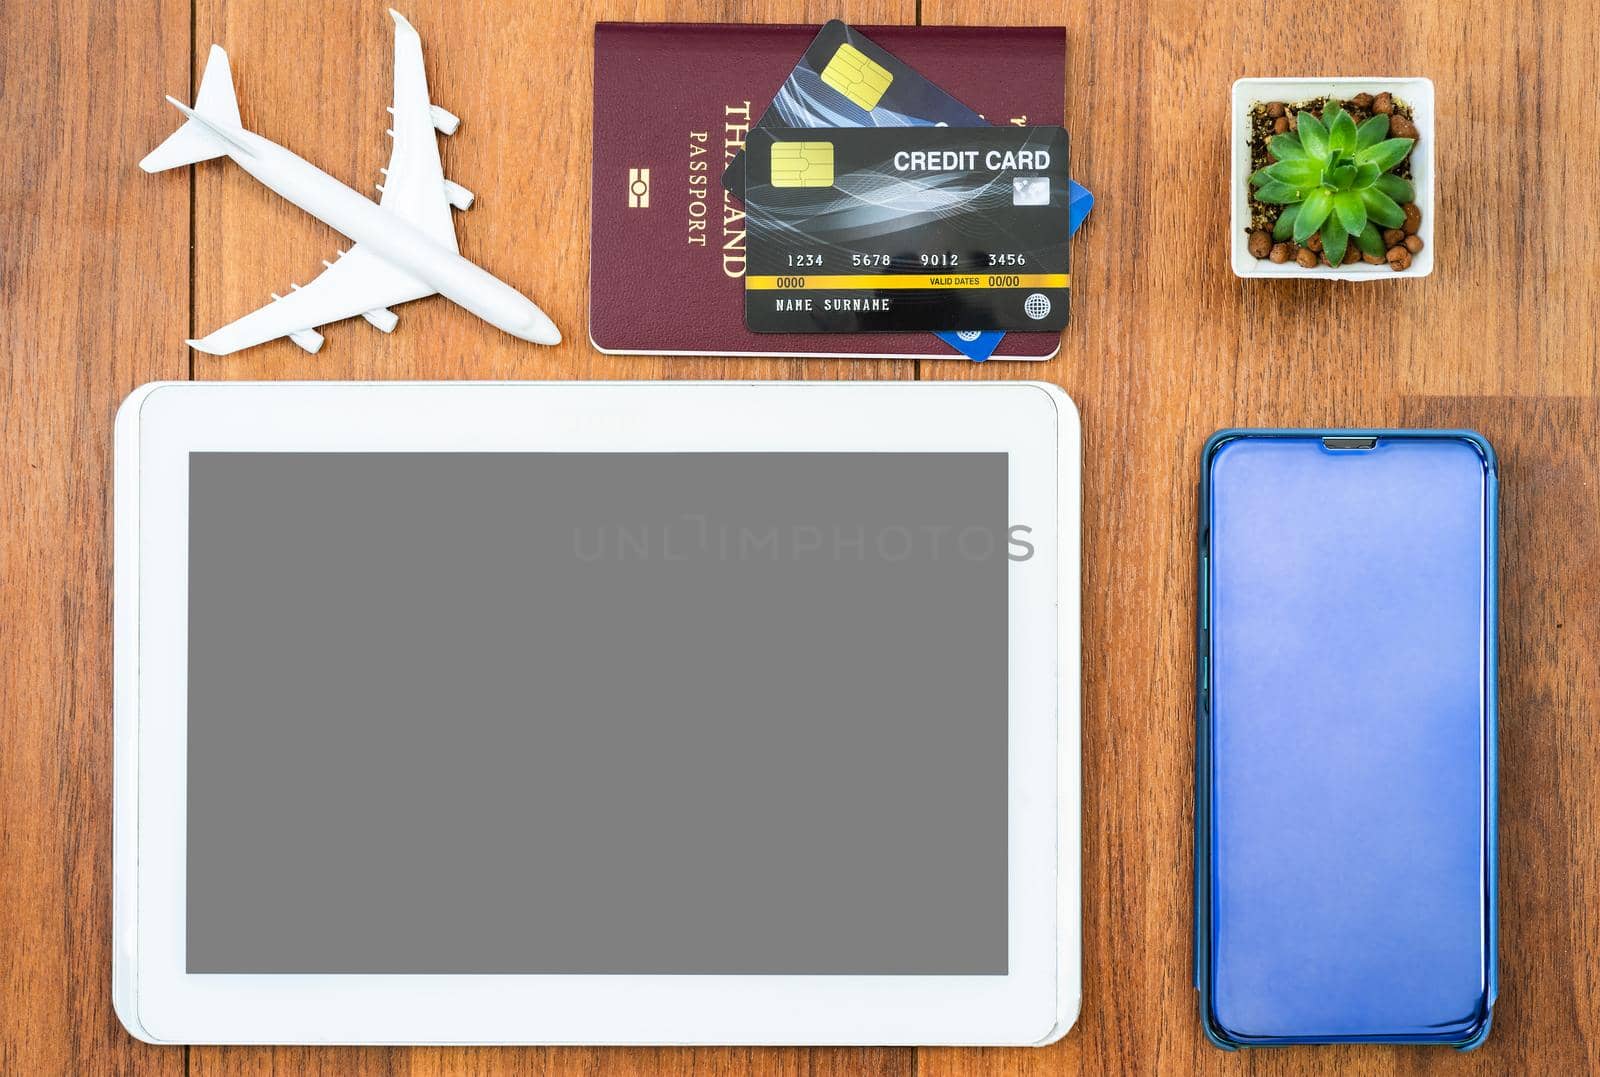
x=540, y=329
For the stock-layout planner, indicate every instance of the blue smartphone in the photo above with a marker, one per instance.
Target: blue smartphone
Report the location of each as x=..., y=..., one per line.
x=1345, y=853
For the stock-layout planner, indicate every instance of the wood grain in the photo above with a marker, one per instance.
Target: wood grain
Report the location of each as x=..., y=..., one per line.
x=93, y=268
x=98, y=290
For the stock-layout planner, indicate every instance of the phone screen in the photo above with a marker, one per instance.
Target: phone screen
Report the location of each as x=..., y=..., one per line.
x=1347, y=759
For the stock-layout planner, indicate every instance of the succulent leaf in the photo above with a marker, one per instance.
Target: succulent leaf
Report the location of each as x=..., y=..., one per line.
x=1366, y=176
x=1386, y=154
x=1302, y=173
x=1372, y=131
x=1285, y=226
x=1396, y=188
x=1351, y=211
x=1382, y=209
x=1279, y=194
x=1341, y=130
x=1313, y=136
x=1341, y=178
x=1370, y=241
x=1286, y=148
x=1259, y=177
x=1316, y=208
x=1334, y=240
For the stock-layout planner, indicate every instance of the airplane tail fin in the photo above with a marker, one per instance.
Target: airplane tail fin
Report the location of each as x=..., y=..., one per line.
x=204, y=136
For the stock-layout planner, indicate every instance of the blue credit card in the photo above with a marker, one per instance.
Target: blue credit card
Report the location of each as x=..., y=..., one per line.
x=846, y=80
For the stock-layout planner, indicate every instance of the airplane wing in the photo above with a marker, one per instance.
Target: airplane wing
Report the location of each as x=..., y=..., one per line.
x=358, y=283
x=414, y=185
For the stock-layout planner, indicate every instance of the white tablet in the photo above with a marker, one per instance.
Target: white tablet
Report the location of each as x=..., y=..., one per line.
x=597, y=713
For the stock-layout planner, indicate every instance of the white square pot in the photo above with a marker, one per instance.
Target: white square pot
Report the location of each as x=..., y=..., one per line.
x=1418, y=93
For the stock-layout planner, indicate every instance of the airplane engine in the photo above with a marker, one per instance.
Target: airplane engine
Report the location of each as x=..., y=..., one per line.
x=382, y=319
x=309, y=339
x=445, y=120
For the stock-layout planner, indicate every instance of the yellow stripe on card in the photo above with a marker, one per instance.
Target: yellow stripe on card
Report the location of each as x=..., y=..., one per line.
x=802, y=164
x=857, y=77
x=890, y=281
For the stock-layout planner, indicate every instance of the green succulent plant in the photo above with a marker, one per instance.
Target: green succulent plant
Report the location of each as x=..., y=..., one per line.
x=1335, y=178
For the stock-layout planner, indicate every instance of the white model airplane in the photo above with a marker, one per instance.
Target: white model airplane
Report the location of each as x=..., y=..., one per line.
x=405, y=243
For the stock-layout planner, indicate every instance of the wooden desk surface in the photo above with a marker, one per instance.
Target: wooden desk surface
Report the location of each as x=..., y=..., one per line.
x=105, y=270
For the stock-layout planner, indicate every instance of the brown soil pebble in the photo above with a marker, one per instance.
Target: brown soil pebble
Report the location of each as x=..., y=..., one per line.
x=1351, y=252
x=1280, y=125
x=1383, y=103
x=1260, y=244
x=1399, y=258
x=1414, y=244
x=1362, y=100
x=1413, y=218
x=1400, y=127
x=1315, y=242
x=1393, y=237
x=1371, y=259
x=1279, y=253
x=1307, y=259
x=1275, y=109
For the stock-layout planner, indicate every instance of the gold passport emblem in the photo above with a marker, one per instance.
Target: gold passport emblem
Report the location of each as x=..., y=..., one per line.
x=858, y=78
x=638, y=188
x=802, y=164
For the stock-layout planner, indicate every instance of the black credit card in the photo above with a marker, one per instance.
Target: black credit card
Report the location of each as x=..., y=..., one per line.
x=885, y=229
x=845, y=80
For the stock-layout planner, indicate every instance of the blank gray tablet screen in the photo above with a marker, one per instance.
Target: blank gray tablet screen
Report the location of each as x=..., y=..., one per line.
x=598, y=713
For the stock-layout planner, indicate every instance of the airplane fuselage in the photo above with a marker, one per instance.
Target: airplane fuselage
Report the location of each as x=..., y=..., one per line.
x=388, y=235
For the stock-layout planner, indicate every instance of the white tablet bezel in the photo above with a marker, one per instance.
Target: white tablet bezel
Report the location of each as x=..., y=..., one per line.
x=160, y=424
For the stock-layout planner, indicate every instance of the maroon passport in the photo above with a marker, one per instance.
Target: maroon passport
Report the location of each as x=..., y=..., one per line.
x=672, y=104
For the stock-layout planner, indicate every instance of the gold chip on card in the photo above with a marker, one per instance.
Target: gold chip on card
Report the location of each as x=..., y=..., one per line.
x=857, y=77
x=802, y=164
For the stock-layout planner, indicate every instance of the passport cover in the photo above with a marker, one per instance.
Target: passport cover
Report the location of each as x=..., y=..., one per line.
x=673, y=103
